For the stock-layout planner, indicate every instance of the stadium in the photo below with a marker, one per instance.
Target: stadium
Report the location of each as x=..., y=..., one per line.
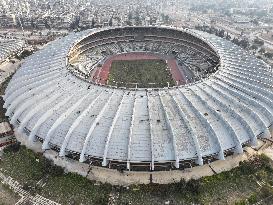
x=142, y=98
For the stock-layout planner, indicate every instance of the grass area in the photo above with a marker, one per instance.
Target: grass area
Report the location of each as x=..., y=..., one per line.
x=3, y=87
x=28, y=168
x=239, y=186
x=147, y=73
x=7, y=196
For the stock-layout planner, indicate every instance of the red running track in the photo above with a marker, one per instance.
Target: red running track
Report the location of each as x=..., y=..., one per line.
x=101, y=74
x=177, y=75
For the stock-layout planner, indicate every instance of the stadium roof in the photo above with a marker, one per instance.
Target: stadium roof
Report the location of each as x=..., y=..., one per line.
x=230, y=108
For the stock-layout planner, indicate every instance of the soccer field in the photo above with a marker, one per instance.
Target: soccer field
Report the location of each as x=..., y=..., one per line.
x=146, y=73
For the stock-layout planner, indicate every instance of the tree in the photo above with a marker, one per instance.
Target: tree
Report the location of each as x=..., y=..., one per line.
x=235, y=41
x=254, y=47
x=77, y=22
x=244, y=43
x=137, y=19
x=268, y=55
x=111, y=21
x=167, y=18
x=221, y=33
x=130, y=16
x=93, y=23
x=262, y=50
x=46, y=24
x=258, y=42
x=255, y=21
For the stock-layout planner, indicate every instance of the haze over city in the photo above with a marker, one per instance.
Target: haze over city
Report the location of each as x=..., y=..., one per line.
x=136, y=102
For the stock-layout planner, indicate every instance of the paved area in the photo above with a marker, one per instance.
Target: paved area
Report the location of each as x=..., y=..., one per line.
x=7, y=197
x=25, y=196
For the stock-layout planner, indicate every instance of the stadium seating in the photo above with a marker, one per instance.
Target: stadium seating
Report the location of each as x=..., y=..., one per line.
x=9, y=47
x=197, y=58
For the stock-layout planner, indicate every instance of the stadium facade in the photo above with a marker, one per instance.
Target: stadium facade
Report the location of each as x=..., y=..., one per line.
x=223, y=104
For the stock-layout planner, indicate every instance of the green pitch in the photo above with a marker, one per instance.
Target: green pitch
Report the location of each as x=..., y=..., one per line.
x=146, y=73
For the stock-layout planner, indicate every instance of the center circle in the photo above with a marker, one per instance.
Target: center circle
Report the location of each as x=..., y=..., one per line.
x=138, y=57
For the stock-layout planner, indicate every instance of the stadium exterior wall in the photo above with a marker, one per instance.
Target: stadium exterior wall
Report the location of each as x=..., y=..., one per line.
x=127, y=178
